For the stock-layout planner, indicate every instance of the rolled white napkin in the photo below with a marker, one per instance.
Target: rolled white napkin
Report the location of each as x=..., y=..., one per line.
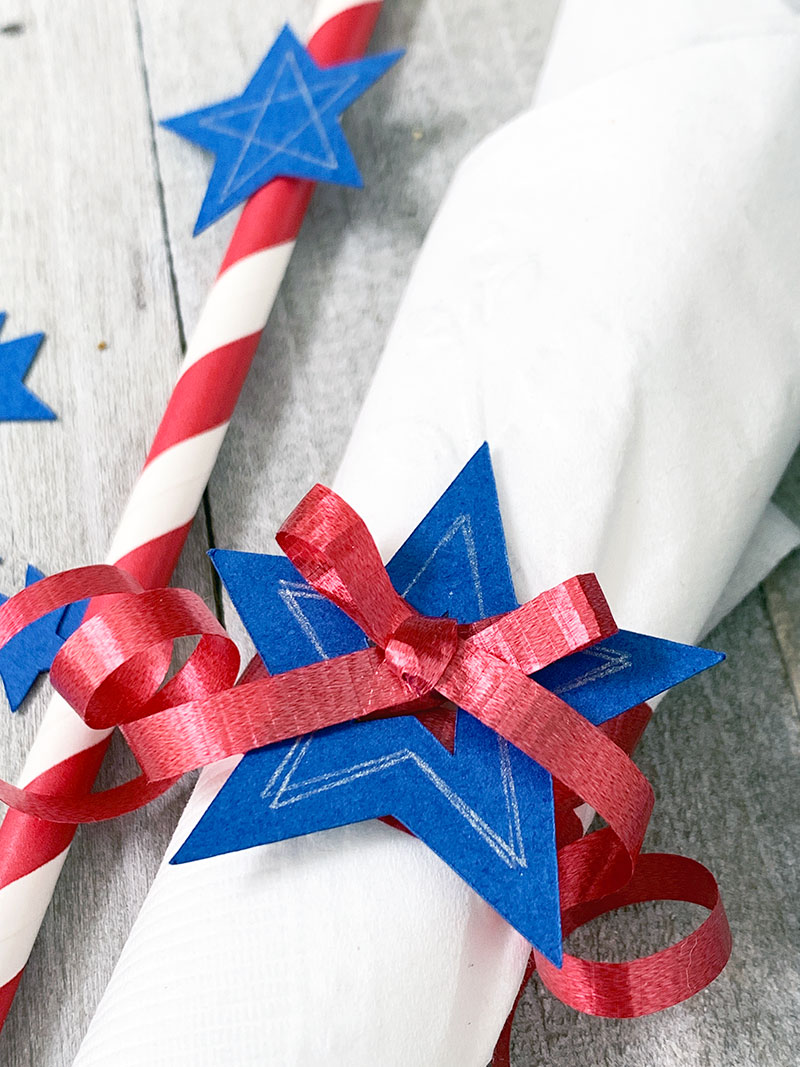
x=608, y=296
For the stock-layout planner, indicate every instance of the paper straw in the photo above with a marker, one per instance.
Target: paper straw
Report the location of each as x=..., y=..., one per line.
x=66, y=754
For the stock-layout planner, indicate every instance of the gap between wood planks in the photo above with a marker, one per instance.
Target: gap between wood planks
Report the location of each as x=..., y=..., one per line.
x=216, y=585
x=781, y=589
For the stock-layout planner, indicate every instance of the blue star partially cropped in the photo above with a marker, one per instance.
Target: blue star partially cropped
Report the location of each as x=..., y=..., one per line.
x=16, y=402
x=33, y=650
x=285, y=124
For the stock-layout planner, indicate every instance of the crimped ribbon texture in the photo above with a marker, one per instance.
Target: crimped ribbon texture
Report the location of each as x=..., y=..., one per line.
x=113, y=669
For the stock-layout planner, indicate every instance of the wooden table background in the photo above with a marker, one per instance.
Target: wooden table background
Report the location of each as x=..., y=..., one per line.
x=96, y=212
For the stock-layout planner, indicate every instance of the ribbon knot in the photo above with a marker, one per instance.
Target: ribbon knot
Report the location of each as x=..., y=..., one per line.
x=420, y=650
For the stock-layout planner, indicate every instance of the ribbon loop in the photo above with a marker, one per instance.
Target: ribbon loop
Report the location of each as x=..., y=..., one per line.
x=651, y=983
x=334, y=551
x=111, y=668
x=562, y=620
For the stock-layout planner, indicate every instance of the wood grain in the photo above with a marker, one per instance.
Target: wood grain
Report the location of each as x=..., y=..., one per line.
x=84, y=259
x=96, y=210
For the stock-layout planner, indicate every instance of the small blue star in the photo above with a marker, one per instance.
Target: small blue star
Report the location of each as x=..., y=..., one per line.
x=33, y=650
x=285, y=123
x=17, y=402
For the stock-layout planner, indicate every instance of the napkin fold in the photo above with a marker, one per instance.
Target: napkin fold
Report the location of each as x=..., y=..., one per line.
x=609, y=297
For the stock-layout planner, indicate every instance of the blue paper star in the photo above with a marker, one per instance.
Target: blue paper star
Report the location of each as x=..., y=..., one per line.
x=286, y=122
x=486, y=809
x=16, y=402
x=33, y=650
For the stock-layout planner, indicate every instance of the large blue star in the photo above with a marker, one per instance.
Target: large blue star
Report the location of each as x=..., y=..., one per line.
x=33, y=650
x=486, y=809
x=16, y=402
x=286, y=122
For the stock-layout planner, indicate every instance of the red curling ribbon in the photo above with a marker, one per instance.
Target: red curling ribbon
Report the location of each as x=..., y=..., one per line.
x=648, y=984
x=652, y=983
x=113, y=668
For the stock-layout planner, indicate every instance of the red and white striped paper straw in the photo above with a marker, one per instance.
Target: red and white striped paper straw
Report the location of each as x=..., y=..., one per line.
x=66, y=754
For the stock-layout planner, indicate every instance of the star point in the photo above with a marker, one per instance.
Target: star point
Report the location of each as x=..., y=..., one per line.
x=17, y=402
x=33, y=650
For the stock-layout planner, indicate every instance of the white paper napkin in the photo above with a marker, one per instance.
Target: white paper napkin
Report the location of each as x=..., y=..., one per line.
x=609, y=297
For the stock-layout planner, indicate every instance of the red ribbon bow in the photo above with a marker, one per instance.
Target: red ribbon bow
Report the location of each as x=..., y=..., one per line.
x=112, y=668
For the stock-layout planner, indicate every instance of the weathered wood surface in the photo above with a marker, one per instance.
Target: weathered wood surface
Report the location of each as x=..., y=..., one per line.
x=96, y=212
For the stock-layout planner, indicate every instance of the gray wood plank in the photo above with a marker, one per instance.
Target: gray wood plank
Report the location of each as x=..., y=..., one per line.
x=84, y=259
